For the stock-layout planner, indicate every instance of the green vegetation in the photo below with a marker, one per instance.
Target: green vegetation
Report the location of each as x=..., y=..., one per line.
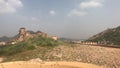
x=110, y=36
x=41, y=41
x=28, y=44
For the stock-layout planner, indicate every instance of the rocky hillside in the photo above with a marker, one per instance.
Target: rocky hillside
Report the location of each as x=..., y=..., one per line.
x=109, y=36
x=22, y=35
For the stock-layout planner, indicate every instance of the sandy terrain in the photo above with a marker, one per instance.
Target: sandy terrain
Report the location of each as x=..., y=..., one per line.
x=27, y=64
x=1, y=59
x=101, y=56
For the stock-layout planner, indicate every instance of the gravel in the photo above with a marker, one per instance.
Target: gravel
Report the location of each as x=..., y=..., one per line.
x=102, y=56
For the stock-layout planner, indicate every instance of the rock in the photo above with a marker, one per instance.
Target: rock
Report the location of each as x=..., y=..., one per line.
x=36, y=60
x=1, y=59
x=58, y=55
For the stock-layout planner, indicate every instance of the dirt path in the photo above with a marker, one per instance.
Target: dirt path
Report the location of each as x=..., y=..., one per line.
x=24, y=64
x=1, y=59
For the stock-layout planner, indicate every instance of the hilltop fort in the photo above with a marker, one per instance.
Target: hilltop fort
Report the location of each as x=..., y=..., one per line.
x=25, y=34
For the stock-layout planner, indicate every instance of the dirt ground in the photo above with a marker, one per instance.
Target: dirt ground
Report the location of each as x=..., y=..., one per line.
x=27, y=64
x=101, y=56
x=1, y=59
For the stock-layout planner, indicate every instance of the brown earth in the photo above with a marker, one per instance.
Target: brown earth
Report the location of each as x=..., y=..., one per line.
x=1, y=59
x=25, y=64
x=101, y=56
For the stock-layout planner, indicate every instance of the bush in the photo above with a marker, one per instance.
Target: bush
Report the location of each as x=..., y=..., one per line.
x=31, y=47
x=28, y=44
x=41, y=41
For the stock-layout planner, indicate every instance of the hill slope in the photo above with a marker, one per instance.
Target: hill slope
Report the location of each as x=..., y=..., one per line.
x=7, y=39
x=109, y=36
x=26, y=45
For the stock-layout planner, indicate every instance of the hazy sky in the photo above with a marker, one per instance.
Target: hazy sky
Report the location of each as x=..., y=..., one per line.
x=78, y=19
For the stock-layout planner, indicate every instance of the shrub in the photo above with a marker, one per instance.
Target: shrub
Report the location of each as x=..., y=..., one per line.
x=31, y=47
x=28, y=44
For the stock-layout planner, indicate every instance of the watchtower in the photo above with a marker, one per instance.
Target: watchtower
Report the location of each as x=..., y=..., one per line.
x=22, y=34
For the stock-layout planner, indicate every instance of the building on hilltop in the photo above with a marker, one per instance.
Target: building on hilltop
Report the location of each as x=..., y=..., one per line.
x=23, y=34
x=54, y=37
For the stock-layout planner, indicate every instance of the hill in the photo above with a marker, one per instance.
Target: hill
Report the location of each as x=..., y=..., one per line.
x=45, y=48
x=109, y=36
x=4, y=38
x=27, y=44
x=22, y=35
